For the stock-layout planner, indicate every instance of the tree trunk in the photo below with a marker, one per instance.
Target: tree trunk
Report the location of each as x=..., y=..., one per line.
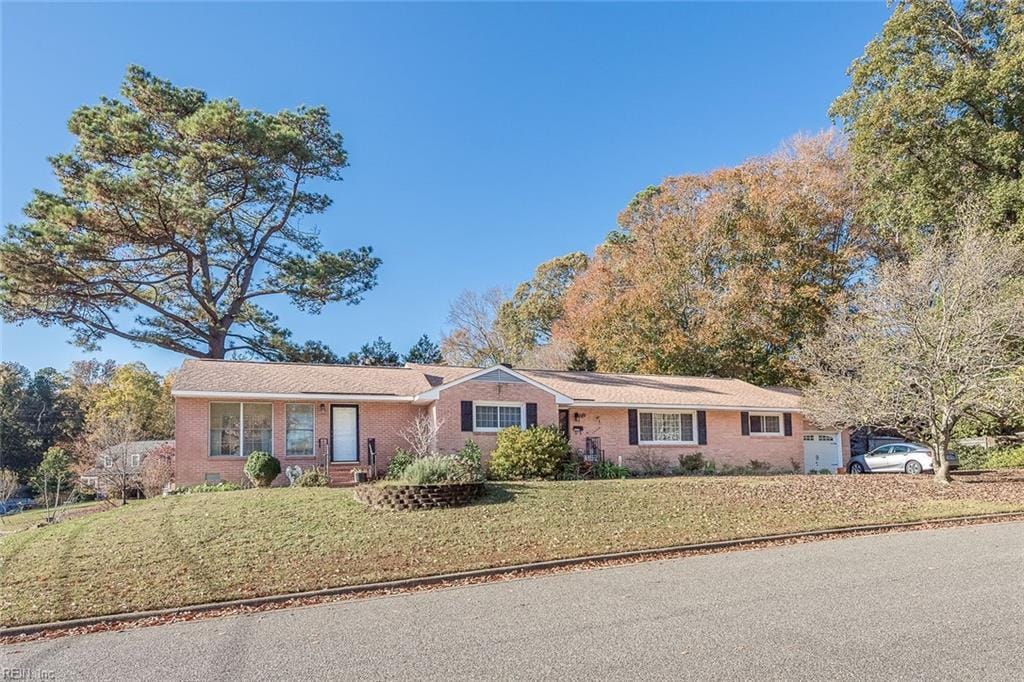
x=217, y=346
x=941, y=466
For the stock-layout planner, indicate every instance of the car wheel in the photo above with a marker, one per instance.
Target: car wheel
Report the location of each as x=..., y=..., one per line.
x=856, y=468
x=914, y=467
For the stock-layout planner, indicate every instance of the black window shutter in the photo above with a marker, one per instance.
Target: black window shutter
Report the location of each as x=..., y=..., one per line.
x=531, y=414
x=467, y=415
x=634, y=437
x=787, y=423
x=745, y=423
x=702, y=427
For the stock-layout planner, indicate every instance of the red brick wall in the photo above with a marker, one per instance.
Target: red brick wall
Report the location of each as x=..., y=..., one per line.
x=451, y=437
x=726, y=443
x=382, y=421
x=385, y=422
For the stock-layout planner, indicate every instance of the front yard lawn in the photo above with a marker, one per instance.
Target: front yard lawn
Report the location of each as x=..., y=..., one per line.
x=184, y=550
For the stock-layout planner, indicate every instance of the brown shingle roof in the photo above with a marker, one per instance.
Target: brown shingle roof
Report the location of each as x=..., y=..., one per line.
x=285, y=377
x=652, y=389
x=639, y=389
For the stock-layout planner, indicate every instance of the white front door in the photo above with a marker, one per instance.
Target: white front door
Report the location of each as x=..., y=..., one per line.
x=822, y=451
x=344, y=434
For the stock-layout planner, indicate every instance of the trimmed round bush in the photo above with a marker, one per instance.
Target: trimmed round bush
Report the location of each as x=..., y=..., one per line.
x=262, y=468
x=537, y=452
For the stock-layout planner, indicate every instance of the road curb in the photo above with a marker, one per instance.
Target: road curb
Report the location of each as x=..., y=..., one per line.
x=526, y=569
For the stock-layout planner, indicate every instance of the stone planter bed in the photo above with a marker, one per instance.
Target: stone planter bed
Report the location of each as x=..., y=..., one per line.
x=399, y=496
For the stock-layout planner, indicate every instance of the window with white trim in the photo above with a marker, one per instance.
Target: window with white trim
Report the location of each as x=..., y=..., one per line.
x=497, y=416
x=136, y=460
x=766, y=424
x=239, y=429
x=667, y=427
x=298, y=430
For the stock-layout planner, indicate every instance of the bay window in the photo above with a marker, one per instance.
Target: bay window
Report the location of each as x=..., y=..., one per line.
x=666, y=427
x=239, y=429
x=298, y=430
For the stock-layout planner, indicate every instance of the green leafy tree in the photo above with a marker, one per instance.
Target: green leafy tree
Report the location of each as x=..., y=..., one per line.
x=424, y=352
x=137, y=397
x=316, y=352
x=54, y=479
x=36, y=412
x=935, y=114
x=177, y=215
x=376, y=353
x=537, y=304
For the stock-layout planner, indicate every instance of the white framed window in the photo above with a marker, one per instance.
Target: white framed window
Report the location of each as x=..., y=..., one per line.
x=239, y=429
x=679, y=428
x=299, y=420
x=497, y=416
x=765, y=424
x=136, y=459
x=108, y=461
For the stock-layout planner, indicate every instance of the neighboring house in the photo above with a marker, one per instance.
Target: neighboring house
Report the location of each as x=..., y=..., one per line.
x=343, y=417
x=107, y=462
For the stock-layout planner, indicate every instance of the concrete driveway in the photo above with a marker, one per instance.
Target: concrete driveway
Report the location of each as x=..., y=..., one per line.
x=926, y=605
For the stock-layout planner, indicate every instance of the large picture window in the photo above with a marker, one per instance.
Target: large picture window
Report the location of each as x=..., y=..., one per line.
x=666, y=427
x=766, y=424
x=298, y=431
x=238, y=429
x=496, y=416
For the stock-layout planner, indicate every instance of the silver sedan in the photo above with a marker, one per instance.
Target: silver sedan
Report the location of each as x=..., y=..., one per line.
x=911, y=458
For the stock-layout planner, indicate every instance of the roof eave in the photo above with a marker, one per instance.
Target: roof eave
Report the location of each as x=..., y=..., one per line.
x=249, y=395
x=678, y=406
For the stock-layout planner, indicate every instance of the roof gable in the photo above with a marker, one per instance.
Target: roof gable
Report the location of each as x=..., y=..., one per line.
x=494, y=374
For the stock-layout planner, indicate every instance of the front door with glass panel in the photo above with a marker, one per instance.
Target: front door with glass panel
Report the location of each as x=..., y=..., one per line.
x=344, y=436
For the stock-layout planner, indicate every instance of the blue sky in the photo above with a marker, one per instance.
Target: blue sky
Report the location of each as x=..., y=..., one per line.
x=483, y=138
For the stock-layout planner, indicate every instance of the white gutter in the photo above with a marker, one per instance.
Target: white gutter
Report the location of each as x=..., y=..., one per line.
x=240, y=395
x=674, y=406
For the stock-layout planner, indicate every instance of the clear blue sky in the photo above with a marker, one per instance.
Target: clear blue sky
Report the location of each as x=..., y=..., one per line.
x=483, y=139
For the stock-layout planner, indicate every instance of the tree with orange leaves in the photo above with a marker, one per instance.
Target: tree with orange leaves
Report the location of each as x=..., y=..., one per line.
x=724, y=273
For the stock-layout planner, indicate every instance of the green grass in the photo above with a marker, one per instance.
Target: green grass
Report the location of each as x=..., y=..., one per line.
x=32, y=517
x=189, y=549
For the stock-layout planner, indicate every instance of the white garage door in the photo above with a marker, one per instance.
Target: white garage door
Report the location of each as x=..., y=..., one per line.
x=822, y=451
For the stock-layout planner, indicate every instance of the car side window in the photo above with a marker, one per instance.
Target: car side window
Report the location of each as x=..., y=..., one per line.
x=900, y=449
x=884, y=450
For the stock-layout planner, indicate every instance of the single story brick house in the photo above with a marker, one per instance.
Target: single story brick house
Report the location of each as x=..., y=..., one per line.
x=343, y=417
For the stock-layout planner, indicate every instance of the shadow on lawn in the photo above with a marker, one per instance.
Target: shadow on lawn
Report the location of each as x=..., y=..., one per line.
x=989, y=476
x=500, y=493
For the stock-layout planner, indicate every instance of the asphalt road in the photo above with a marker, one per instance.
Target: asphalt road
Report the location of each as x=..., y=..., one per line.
x=941, y=604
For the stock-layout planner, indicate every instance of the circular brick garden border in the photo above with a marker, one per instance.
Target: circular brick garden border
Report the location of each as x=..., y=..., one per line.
x=388, y=496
